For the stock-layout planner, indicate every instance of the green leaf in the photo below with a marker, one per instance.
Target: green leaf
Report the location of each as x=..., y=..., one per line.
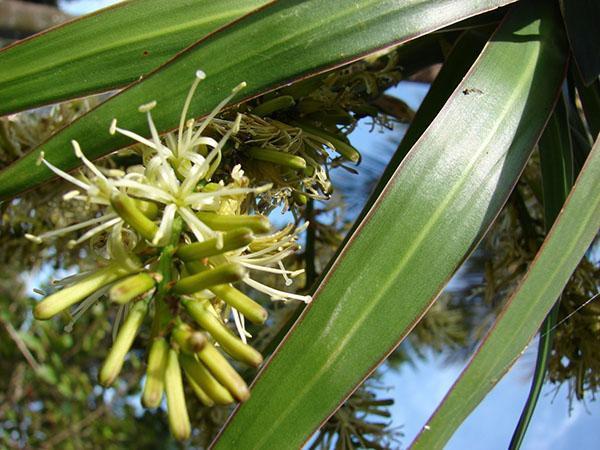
x=590, y=102
x=581, y=21
x=556, y=163
x=460, y=59
x=267, y=49
x=108, y=49
x=438, y=204
x=520, y=318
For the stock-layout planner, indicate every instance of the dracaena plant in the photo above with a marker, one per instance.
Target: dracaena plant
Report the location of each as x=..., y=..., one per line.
x=178, y=224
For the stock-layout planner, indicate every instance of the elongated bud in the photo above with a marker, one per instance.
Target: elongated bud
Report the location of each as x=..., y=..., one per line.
x=114, y=361
x=188, y=340
x=225, y=273
x=275, y=104
x=149, y=209
x=344, y=149
x=304, y=87
x=224, y=373
x=277, y=157
x=231, y=344
x=202, y=396
x=240, y=301
x=300, y=198
x=126, y=290
x=309, y=171
x=204, y=379
x=179, y=421
x=125, y=207
x=332, y=117
x=231, y=241
x=59, y=301
x=310, y=105
x=225, y=222
x=155, y=373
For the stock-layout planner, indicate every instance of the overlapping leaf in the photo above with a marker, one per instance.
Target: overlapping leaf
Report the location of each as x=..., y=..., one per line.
x=438, y=204
x=520, y=318
x=108, y=49
x=268, y=48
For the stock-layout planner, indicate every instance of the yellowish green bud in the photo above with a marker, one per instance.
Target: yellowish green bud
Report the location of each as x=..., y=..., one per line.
x=231, y=241
x=204, y=379
x=126, y=207
x=224, y=373
x=155, y=373
x=240, y=301
x=179, y=421
x=202, y=396
x=343, y=148
x=221, y=222
x=200, y=312
x=61, y=300
x=131, y=287
x=277, y=157
x=188, y=340
x=149, y=209
x=225, y=273
x=114, y=361
x=275, y=104
x=300, y=198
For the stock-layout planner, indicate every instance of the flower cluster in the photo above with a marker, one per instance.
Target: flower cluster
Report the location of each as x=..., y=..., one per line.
x=173, y=241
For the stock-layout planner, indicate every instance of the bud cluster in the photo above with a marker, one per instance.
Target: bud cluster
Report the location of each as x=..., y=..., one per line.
x=177, y=246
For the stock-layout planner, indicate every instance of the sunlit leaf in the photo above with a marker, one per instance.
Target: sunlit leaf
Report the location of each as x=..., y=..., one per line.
x=438, y=204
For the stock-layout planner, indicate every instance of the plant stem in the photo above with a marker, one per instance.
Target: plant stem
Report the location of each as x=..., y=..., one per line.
x=162, y=314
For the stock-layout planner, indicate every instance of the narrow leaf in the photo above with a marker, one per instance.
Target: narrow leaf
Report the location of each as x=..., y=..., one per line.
x=590, y=102
x=436, y=207
x=581, y=21
x=520, y=318
x=266, y=49
x=556, y=163
x=108, y=49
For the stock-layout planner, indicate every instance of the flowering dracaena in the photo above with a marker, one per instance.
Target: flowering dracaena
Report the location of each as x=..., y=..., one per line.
x=177, y=244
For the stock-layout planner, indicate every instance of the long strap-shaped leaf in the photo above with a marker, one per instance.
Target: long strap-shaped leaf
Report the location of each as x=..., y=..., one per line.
x=520, y=318
x=556, y=164
x=108, y=49
x=436, y=207
x=266, y=49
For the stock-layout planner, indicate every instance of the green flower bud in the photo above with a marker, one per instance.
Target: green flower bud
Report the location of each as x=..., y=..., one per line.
x=204, y=379
x=114, y=361
x=228, y=222
x=179, y=421
x=201, y=313
x=149, y=209
x=343, y=148
x=224, y=373
x=277, y=157
x=126, y=290
x=274, y=104
x=188, y=340
x=126, y=207
x=61, y=300
x=155, y=373
x=231, y=241
x=225, y=273
x=300, y=198
x=202, y=396
x=240, y=301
